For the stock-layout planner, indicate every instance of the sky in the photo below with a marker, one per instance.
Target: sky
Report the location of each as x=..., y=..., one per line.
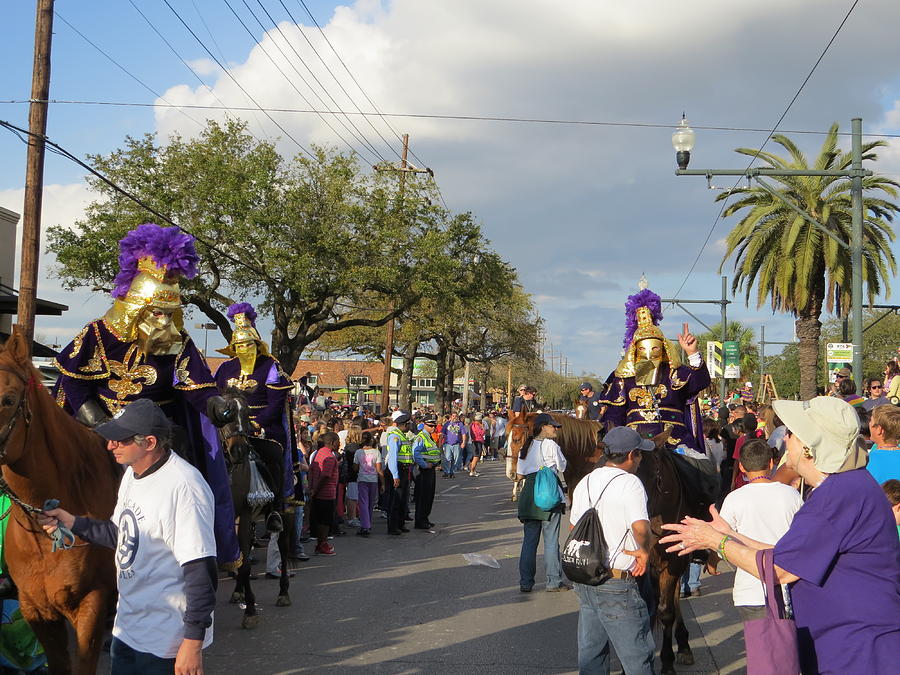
x=581, y=210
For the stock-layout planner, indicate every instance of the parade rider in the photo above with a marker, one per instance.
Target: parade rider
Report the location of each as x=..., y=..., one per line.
x=427, y=456
x=650, y=390
x=139, y=349
x=256, y=374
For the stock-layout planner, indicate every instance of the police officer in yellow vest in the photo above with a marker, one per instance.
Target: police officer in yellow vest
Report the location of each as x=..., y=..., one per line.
x=427, y=456
x=399, y=462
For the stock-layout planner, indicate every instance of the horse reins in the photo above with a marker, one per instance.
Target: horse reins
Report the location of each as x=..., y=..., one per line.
x=62, y=536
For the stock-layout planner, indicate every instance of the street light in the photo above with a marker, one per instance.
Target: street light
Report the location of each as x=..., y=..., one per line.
x=206, y=327
x=683, y=142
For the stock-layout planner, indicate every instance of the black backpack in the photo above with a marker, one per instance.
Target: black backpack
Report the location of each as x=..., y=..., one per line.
x=585, y=553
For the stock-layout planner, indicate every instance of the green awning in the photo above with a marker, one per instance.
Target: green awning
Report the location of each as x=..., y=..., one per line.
x=341, y=391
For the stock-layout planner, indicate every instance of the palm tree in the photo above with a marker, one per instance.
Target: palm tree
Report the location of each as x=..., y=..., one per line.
x=793, y=265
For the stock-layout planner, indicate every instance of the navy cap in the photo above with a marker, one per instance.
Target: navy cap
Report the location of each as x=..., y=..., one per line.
x=142, y=417
x=622, y=440
x=402, y=418
x=587, y=385
x=545, y=418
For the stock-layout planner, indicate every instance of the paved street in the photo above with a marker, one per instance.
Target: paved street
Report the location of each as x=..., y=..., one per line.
x=412, y=604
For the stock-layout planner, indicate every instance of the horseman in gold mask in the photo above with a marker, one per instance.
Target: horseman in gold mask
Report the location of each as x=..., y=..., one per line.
x=651, y=390
x=257, y=375
x=139, y=349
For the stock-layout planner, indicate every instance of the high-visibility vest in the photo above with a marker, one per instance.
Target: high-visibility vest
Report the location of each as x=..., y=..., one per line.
x=404, y=447
x=431, y=453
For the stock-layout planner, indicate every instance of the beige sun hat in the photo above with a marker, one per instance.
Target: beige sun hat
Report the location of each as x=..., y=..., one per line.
x=828, y=426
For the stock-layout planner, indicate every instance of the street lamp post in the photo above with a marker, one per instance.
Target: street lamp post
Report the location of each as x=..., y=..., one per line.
x=683, y=142
x=206, y=328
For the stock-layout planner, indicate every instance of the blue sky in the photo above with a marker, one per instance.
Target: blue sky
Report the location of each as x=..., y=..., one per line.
x=581, y=211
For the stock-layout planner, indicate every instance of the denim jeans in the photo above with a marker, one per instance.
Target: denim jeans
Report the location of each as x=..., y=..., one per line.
x=690, y=580
x=128, y=661
x=451, y=457
x=615, y=613
x=528, y=556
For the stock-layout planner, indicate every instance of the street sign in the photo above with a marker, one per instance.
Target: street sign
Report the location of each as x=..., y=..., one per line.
x=731, y=353
x=839, y=352
x=714, y=358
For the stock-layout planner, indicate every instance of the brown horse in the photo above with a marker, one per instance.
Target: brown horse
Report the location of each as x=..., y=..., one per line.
x=46, y=454
x=668, y=499
x=577, y=438
x=241, y=446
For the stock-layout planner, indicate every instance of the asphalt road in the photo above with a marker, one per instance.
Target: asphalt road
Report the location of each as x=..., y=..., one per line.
x=412, y=604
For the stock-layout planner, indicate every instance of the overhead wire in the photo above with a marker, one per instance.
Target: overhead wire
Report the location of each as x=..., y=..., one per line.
x=333, y=76
x=120, y=66
x=277, y=27
x=168, y=44
x=476, y=118
x=236, y=82
x=765, y=141
x=283, y=74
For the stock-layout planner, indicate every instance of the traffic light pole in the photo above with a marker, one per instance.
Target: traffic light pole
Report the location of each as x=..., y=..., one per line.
x=855, y=246
x=723, y=305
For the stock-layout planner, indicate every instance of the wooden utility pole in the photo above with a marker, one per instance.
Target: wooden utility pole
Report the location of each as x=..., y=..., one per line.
x=34, y=171
x=389, y=340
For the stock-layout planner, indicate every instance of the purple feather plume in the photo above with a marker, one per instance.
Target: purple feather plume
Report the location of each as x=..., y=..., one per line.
x=242, y=308
x=645, y=298
x=169, y=247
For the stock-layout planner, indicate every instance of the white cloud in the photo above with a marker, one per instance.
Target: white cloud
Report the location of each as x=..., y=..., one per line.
x=558, y=198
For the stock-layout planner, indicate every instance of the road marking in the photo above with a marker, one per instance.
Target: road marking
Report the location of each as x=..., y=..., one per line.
x=452, y=487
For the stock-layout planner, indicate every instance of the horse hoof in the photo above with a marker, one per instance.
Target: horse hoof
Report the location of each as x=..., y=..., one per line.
x=236, y=598
x=685, y=658
x=250, y=622
x=283, y=601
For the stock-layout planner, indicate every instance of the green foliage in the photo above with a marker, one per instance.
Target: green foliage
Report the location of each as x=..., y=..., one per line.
x=793, y=266
x=311, y=239
x=744, y=336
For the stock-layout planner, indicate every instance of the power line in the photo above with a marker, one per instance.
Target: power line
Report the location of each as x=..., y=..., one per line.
x=234, y=79
x=180, y=58
x=62, y=152
x=333, y=76
x=476, y=118
x=768, y=136
x=121, y=67
x=361, y=135
x=283, y=74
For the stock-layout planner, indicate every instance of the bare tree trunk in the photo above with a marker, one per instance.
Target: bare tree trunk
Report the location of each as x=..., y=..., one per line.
x=440, y=376
x=809, y=330
x=484, y=373
x=448, y=383
x=405, y=393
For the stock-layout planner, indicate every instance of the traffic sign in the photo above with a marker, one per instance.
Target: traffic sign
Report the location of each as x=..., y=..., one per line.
x=839, y=352
x=714, y=358
x=731, y=352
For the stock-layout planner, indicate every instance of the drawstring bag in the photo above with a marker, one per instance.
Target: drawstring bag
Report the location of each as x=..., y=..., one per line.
x=259, y=494
x=772, y=641
x=546, y=489
x=584, y=557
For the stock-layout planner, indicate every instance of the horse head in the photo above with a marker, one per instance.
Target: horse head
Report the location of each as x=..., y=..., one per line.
x=236, y=434
x=519, y=434
x=16, y=378
x=581, y=409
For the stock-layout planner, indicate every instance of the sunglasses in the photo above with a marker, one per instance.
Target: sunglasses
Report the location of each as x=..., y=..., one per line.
x=876, y=386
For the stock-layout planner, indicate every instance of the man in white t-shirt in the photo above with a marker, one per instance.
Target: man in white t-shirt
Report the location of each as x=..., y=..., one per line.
x=615, y=611
x=763, y=510
x=162, y=532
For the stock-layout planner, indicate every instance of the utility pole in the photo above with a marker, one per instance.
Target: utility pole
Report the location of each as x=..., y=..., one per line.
x=34, y=171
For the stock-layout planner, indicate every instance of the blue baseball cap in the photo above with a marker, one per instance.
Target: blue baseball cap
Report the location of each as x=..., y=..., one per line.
x=622, y=440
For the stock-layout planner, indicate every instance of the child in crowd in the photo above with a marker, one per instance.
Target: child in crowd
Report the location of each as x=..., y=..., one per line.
x=369, y=480
x=892, y=490
x=323, y=483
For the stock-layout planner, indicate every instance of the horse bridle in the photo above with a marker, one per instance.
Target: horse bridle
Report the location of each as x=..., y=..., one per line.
x=20, y=411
